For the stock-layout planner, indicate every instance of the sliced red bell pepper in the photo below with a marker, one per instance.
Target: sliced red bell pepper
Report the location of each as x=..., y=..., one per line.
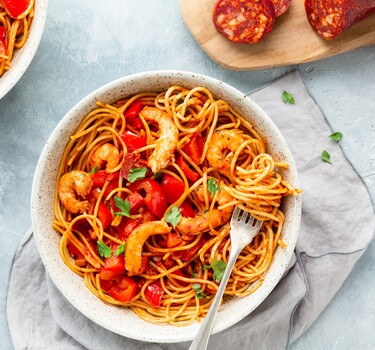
x=133, y=141
x=124, y=289
x=190, y=174
x=172, y=187
x=3, y=41
x=186, y=255
x=100, y=177
x=136, y=201
x=104, y=215
x=106, y=284
x=194, y=148
x=154, y=293
x=186, y=210
x=115, y=264
x=137, y=123
x=127, y=225
x=107, y=275
x=154, y=198
x=16, y=7
x=133, y=110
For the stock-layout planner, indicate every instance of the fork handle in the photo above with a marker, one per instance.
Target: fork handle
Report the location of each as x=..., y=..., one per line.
x=201, y=340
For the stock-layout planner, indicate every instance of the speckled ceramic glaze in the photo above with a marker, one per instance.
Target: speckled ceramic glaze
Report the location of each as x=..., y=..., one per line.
x=23, y=57
x=122, y=320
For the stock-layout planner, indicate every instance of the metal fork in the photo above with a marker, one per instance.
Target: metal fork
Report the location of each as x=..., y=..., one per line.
x=243, y=228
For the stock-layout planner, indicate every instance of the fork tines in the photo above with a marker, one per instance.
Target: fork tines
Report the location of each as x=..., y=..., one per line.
x=241, y=215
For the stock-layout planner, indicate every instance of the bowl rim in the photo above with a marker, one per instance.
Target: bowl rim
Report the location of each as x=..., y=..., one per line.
x=61, y=286
x=23, y=57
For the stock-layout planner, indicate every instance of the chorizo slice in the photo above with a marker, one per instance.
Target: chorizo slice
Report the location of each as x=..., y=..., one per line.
x=243, y=21
x=329, y=18
x=281, y=6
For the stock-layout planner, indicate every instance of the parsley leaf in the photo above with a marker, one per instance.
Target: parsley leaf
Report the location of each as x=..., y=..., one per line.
x=326, y=157
x=104, y=250
x=123, y=205
x=213, y=186
x=198, y=290
x=219, y=267
x=94, y=170
x=173, y=216
x=336, y=136
x=137, y=173
x=288, y=98
x=120, y=249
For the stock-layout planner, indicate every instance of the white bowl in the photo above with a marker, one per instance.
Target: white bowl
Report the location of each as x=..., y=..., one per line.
x=122, y=320
x=23, y=57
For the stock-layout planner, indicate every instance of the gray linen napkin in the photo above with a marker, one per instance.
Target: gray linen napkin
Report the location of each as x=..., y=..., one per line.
x=334, y=233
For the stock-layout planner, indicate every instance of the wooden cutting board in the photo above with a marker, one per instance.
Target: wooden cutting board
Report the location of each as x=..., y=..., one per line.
x=291, y=41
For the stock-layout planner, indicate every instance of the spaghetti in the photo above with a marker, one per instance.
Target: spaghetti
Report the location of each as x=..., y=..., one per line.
x=15, y=22
x=144, y=196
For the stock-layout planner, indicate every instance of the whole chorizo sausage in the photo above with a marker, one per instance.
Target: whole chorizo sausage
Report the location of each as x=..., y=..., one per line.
x=330, y=18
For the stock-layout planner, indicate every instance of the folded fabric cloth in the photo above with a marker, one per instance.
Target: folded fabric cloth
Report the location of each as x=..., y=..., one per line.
x=337, y=224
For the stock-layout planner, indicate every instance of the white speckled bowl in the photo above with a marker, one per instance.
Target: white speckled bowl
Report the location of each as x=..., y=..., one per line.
x=122, y=320
x=23, y=57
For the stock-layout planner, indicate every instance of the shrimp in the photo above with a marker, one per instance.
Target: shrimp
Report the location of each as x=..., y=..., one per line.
x=167, y=141
x=106, y=154
x=72, y=184
x=220, y=140
x=215, y=217
x=135, y=242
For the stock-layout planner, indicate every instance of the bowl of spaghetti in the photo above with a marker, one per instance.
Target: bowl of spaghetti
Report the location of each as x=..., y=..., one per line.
x=21, y=28
x=133, y=195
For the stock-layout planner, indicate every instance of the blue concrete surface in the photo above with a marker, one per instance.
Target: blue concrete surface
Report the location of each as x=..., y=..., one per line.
x=90, y=42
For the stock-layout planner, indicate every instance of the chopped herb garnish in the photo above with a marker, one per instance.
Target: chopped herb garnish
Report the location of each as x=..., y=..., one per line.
x=137, y=173
x=123, y=205
x=173, y=216
x=120, y=249
x=326, y=157
x=219, y=267
x=198, y=290
x=180, y=101
x=336, y=136
x=104, y=250
x=94, y=170
x=158, y=174
x=213, y=186
x=288, y=98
